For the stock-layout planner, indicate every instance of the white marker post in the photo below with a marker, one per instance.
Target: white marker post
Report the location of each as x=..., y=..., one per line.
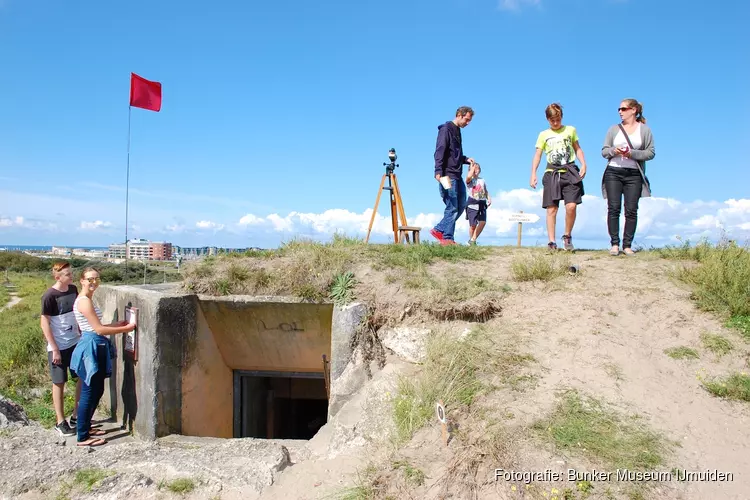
x=521, y=217
x=440, y=410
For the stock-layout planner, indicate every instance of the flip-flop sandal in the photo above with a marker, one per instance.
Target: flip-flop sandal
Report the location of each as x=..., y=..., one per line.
x=97, y=432
x=91, y=442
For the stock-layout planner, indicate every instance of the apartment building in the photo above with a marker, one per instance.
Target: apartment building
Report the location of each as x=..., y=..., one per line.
x=140, y=249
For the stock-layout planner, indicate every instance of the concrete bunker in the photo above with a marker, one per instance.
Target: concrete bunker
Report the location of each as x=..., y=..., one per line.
x=226, y=367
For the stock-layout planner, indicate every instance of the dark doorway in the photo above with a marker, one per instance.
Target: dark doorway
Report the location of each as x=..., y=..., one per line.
x=279, y=405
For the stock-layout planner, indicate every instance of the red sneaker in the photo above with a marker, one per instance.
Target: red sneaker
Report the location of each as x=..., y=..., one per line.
x=436, y=234
x=448, y=242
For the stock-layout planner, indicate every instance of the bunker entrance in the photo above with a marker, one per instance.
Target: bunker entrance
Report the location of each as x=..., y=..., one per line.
x=279, y=405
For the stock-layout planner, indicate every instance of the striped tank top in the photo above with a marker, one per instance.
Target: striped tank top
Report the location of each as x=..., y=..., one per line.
x=83, y=323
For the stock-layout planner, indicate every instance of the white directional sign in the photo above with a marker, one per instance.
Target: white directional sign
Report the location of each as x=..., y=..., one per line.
x=523, y=217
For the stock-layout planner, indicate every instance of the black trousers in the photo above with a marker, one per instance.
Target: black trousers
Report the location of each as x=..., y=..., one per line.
x=622, y=183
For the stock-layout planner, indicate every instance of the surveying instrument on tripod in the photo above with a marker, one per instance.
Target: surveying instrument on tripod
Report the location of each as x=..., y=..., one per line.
x=396, y=203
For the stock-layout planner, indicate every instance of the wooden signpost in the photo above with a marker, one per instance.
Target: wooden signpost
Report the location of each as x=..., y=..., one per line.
x=521, y=217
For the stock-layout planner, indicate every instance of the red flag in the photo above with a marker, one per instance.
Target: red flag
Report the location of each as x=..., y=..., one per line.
x=144, y=93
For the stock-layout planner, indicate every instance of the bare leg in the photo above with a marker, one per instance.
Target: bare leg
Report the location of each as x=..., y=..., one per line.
x=570, y=217
x=480, y=227
x=551, y=219
x=472, y=231
x=57, y=401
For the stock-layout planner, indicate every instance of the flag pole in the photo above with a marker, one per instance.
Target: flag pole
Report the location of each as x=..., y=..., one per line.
x=127, y=186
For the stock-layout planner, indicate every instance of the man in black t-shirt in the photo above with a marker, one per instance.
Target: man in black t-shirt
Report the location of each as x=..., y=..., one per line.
x=61, y=331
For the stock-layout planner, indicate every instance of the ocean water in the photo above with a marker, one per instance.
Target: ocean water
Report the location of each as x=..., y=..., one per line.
x=42, y=248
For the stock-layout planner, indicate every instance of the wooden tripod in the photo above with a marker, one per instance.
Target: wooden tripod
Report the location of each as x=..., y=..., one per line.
x=397, y=205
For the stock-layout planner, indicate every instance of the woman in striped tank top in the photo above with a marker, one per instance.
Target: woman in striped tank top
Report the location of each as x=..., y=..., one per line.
x=91, y=358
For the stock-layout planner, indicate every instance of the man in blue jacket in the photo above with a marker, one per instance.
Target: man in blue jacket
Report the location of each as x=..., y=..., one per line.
x=449, y=167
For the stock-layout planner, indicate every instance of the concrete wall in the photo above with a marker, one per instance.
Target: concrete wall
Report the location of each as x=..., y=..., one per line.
x=207, y=386
x=182, y=381
x=270, y=335
x=145, y=393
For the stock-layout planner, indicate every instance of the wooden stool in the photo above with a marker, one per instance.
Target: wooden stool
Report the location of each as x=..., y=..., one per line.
x=403, y=233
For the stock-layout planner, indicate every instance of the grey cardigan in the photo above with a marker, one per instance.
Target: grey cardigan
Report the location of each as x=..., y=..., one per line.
x=641, y=156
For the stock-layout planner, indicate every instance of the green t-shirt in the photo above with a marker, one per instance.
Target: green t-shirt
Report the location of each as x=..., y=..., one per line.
x=558, y=144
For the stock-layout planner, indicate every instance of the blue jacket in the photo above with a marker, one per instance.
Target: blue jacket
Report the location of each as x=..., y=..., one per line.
x=84, y=360
x=449, y=153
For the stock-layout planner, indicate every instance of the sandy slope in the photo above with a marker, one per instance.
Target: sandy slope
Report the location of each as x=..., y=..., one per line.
x=603, y=332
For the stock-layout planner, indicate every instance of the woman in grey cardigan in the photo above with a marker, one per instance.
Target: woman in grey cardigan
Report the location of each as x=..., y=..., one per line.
x=625, y=175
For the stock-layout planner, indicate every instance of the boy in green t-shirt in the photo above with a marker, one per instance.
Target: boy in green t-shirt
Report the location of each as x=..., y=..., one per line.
x=562, y=179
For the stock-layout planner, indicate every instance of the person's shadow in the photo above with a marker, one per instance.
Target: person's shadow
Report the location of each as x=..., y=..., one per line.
x=128, y=392
x=129, y=398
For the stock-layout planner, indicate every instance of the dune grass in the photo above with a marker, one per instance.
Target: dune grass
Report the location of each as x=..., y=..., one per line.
x=586, y=425
x=721, y=281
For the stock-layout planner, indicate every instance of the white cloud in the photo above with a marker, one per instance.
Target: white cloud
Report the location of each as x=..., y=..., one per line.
x=92, y=226
x=207, y=224
x=660, y=220
x=250, y=220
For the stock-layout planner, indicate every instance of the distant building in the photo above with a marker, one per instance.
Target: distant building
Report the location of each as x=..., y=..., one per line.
x=91, y=254
x=160, y=250
x=140, y=249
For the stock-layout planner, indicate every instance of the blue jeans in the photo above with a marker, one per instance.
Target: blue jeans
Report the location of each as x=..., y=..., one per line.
x=91, y=394
x=455, y=204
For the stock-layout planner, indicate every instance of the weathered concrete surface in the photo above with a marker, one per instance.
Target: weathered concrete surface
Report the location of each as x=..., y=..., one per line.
x=270, y=335
x=365, y=419
x=146, y=392
x=207, y=386
x=35, y=463
x=188, y=347
x=408, y=343
x=344, y=326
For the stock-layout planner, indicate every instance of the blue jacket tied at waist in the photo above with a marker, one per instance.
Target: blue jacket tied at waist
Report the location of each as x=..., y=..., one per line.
x=85, y=360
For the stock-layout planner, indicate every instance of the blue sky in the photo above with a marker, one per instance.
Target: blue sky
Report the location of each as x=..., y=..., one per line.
x=277, y=116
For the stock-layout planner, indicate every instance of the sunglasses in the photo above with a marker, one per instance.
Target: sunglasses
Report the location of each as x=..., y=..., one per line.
x=623, y=109
x=93, y=280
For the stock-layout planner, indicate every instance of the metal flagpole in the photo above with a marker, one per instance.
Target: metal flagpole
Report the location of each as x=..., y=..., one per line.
x=127, y=186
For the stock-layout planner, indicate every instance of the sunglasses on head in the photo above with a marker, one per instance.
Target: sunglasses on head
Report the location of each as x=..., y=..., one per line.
x=623, y=109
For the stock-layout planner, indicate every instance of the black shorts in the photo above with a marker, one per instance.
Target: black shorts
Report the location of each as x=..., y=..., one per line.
x=475, y=215
x=571, y=193
x=59, y=373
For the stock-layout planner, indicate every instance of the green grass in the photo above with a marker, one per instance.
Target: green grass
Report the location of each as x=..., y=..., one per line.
x=735, y=386
x=721, y=281
x=23, y=353
x=342, y=288
x=313, y=270
x=716, y=344
x=681, y=352
x=741, y=324
x=417, y=257
x=455, y=371
x=4, y=295
x=585, y=425
x=413, y=475
x=450, y=373
x=539, y=266
x=180, y=486
x=87, y=478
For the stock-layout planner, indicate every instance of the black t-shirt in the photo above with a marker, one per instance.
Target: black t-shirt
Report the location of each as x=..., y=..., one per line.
x=59, y=307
